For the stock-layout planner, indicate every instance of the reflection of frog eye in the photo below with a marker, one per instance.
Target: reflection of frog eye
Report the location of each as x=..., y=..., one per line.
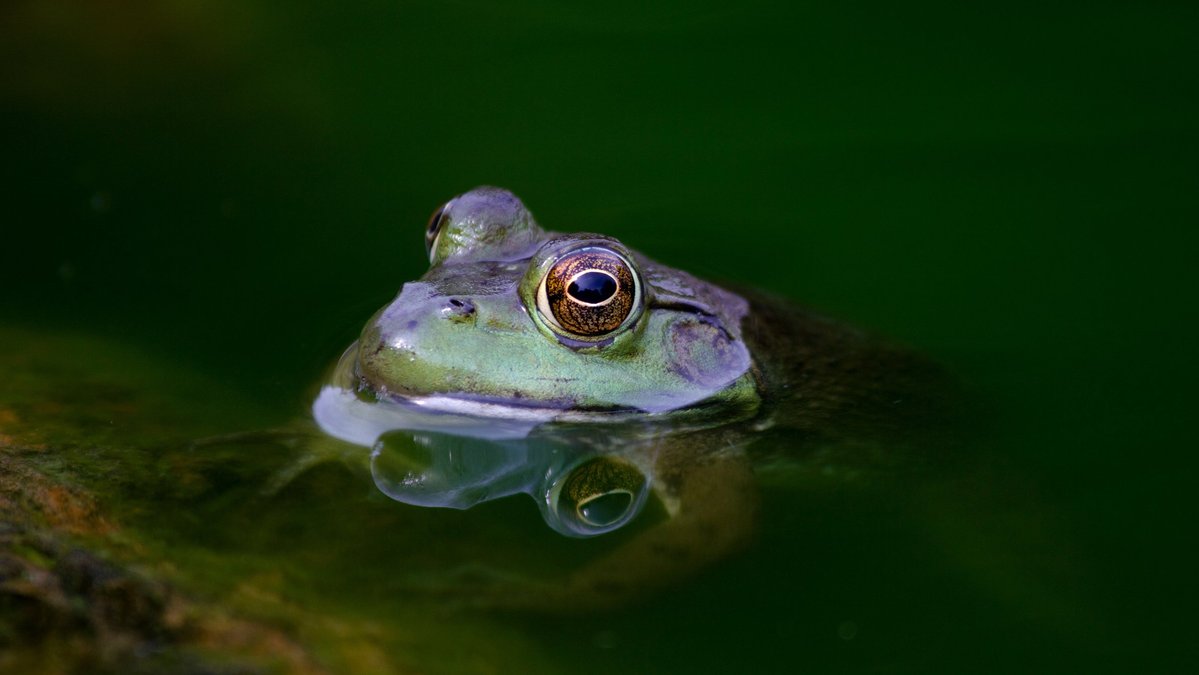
x=600, y=495
x=589, y=292
x=434, y=228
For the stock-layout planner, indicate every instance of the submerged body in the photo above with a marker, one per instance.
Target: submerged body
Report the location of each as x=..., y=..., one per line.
x=575, y=369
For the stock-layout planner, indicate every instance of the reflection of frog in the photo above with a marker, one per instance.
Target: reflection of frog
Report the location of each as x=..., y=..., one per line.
x=579, y=371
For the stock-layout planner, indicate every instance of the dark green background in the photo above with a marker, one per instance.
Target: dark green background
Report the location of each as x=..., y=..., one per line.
x=1011, y=188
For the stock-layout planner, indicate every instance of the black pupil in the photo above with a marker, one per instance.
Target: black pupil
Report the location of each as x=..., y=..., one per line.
x=592, y=287
x=606, y=509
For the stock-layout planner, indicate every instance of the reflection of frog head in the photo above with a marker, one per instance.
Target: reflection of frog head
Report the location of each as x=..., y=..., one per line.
x=516, y=322
x=580, y=494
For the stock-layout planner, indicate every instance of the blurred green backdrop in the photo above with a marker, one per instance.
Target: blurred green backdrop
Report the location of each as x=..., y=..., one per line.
x=1010, y=187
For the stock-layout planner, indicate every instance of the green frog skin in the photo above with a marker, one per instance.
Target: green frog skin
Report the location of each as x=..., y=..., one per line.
x=654, y=377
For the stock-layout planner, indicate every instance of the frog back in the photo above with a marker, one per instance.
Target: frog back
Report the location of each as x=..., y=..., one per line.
x=825, y=382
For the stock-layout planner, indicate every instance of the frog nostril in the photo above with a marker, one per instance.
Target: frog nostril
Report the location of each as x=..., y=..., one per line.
x=458, y=310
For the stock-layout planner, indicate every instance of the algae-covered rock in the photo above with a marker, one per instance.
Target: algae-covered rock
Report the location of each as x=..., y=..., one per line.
x=126, y=546
x=80, y=591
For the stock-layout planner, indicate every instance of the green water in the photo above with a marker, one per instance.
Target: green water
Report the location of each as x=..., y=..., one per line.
x=233, y=188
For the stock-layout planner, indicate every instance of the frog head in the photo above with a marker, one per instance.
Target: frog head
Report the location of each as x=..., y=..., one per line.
x=513, y=321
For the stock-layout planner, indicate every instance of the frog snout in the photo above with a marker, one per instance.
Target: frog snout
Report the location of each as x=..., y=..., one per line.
x=458, y=310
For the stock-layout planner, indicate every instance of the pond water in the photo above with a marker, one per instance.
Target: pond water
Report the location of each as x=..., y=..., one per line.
x=204, y=204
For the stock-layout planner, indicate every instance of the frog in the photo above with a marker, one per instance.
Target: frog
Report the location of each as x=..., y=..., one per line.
x=575, y=369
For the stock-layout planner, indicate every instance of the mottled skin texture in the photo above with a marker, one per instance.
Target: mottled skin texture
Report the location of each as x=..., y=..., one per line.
x=723, y=368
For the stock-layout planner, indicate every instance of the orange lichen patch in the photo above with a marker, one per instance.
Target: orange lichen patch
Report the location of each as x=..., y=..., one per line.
x=67, y=508
x=73, y=512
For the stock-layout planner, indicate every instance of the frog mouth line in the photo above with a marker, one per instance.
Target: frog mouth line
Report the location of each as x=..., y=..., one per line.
x=527, y=412
x=534, y=413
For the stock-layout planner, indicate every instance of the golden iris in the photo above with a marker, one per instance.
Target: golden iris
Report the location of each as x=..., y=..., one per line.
x=589, y=292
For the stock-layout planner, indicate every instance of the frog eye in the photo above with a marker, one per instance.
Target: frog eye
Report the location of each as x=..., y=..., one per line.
x=433, y=230
x=589, y=292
